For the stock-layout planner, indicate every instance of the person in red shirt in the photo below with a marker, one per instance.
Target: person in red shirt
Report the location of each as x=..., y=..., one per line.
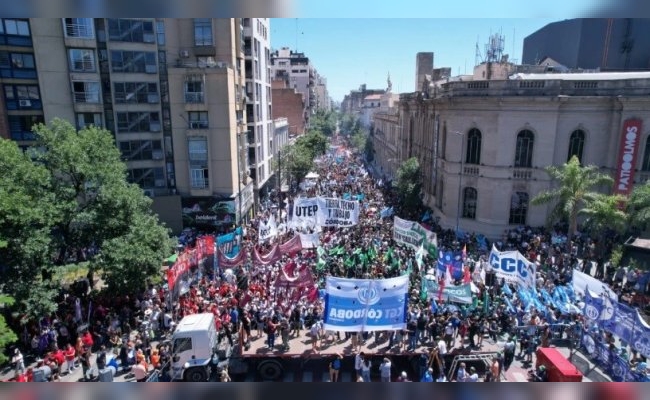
x=58, y=357
x=87, y=339
x=70, y=355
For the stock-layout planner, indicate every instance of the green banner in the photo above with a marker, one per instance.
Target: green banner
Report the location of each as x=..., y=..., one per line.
x=412, y=234
x=455, y=294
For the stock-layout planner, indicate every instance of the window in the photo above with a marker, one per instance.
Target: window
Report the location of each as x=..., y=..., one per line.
x=524, y=149
x=198, y=157
x=147, y=177
x=136, y=150
x=134, y=61
x=203, y=32
x=469, y=203
x=85, y=92
x=22, y=97
x=473, y=155
x=20, y=126
x=81, y=28
x=576, y=144
x=645, y=165
x=518, y=208
x=88, y=119
x=194, y=89
x=136, y=92
x=131, y=30
x=82, y=60
x=160, y=32
x=198, y=119
x=182, y=344
x=16, y=27
x=131, y=122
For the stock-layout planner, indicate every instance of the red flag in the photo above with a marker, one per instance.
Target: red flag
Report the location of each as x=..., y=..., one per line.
x=467, y=276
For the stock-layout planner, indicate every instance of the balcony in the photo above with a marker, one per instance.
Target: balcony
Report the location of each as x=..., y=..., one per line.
x=205, y=51
x=194, y=97
x=86, y=97
x=199, y=124
x=471, y=170
x=522, y=173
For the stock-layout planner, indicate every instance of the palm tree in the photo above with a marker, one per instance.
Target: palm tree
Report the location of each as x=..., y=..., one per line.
x=574, y=192
x=638, y=205
x=605, y=213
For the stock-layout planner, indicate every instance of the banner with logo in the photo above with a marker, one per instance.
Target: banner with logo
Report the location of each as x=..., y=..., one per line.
x=310, y=240
x=305, y=212
x=609, y=361
x=513, y=267
x=455, y=294
x=229, y=243
x=451, y=261
x=337, y=212
x=413, y=235
x=582, y=281
x=267, y=230
x=356, y=305
x=627, y=156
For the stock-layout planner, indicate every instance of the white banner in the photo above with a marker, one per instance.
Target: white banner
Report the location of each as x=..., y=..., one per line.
x=337, y=212
x=513, y=267
x=414, y=235
x=310, y=240
x=267, y=230
x=305, y=212
x=582, y=281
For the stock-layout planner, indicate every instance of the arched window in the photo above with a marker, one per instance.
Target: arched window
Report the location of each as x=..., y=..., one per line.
x=469, y=202
x=645, y=166
x=524, y=149
x=473, y=155
x=518, y=208
x=576, y=144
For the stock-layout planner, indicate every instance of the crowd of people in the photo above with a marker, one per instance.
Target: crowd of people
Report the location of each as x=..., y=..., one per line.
x=117, y=332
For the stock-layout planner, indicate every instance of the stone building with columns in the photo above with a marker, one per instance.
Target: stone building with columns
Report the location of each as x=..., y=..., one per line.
x=483, y=144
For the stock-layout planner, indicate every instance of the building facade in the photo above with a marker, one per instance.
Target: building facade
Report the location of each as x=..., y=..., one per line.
x=258, y=103
x=353, y=103
x=289, y=104
x=172, y=91
x=298, y=72
x=280, y=140
x=483, y=145
x=591, y=43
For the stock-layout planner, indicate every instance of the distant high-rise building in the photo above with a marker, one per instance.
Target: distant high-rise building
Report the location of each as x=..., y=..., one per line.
x=423, y=67
x=592, y=43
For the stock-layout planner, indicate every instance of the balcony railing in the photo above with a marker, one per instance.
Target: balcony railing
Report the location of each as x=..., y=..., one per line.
x=82, y=31
x=198, y=124
x=194, y=97
x=471, y=170
x=86, y=97
x=522, y=173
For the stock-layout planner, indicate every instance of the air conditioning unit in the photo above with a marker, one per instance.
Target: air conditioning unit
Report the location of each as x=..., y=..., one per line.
x=149, y=193
x=24, y=103
x=184, y=54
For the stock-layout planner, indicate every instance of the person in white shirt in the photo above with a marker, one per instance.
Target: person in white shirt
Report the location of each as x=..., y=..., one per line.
x=385, y=369
x=473, y=376
x=461, y=375
x=442, y=347
x=358, y=363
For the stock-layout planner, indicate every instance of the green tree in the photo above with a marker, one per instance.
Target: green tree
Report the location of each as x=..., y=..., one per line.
x=28, y=214
x=574, y=192
x=359, y=140
x=409, y=186
x=72, y=195
x=638, y=206
x=314, y=142
x=7, y=336
x=604, y=213
x=369, y=150
x=324, y=122
x=296, y=162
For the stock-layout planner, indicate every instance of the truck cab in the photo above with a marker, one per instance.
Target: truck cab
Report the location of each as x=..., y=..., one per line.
x=194, y=345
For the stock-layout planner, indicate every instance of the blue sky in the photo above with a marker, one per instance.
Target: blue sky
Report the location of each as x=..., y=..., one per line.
x=350, y=52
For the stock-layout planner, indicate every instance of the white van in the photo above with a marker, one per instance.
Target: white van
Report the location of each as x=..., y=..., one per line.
x=195, y=342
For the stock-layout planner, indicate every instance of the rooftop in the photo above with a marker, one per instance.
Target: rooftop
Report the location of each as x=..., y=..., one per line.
x=373, y=97
x=584, y=76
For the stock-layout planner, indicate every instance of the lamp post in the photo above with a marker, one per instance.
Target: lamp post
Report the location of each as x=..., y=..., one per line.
x=460, y=177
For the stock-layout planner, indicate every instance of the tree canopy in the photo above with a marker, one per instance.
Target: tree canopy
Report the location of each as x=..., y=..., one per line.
x=409, y=185
x=324, y=122
x=68, y=200
x=575, y=190
x=297, y=159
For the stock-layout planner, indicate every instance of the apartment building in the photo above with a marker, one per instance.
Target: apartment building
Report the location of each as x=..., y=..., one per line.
x=172, y=91
x=298, y=72
x=257, y=54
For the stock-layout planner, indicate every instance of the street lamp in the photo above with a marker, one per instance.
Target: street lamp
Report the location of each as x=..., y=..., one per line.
x=460, y=177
